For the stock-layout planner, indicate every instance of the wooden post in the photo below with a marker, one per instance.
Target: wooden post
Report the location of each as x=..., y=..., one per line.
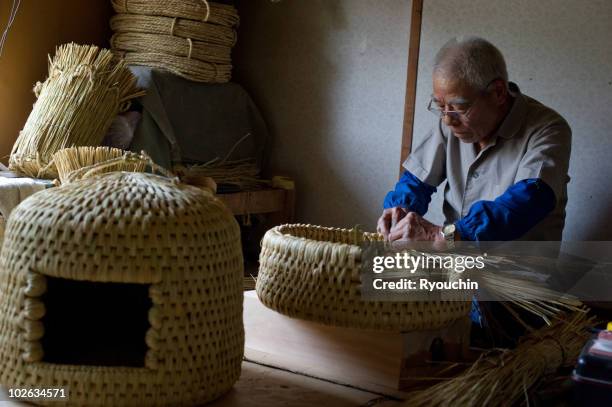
x=416, y=17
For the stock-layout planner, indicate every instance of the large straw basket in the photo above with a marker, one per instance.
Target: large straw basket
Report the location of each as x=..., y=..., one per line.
x=86, y=88
x=144, y=239
x=312, y=272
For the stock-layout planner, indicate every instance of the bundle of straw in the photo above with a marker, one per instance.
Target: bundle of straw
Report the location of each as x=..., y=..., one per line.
x=83, y=162
x=190, y=38
x=242, y=174
x=87, y=87
x=505, y=377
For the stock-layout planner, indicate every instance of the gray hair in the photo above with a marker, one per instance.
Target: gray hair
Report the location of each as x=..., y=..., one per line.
x=470, y=60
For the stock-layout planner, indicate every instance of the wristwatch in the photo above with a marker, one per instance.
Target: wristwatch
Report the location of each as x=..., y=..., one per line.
x=448, y=232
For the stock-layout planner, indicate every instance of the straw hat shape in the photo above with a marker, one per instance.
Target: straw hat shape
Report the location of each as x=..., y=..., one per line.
x=135, y=229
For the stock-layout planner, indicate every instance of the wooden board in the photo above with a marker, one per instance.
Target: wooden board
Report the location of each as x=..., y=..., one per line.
x=366, y=359
x=265, y=201
x=383, y=362
x=416, y=17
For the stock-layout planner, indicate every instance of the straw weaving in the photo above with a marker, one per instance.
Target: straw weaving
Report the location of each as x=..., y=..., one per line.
x=166, y=244
x=312, y=272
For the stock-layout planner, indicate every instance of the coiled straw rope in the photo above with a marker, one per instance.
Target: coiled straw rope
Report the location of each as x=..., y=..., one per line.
x=191, y=69
x=200, y=10
x=87, y=87
x=190, y=38
x=178, y=27
x=167, y=44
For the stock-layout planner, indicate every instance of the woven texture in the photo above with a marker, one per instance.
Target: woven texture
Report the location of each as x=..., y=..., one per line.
x=87, y=87
x=190, y=38
x=128, y=228
x=312, y=272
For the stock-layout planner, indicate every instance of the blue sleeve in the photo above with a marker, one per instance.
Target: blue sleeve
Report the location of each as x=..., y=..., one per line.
x=410, y=193
x=510, y=215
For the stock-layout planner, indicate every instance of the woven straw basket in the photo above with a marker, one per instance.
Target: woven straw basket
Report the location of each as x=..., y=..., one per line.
x=312, y=272
x=130, y=229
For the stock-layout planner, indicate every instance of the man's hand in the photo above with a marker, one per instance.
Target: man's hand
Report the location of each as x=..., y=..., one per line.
x=389, y=218
x=413, y=227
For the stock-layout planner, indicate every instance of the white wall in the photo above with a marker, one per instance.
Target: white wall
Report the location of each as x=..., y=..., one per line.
x=329, y=77
x=559, y=52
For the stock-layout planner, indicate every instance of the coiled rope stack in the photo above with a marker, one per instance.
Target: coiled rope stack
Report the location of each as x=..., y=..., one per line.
x=190, y=38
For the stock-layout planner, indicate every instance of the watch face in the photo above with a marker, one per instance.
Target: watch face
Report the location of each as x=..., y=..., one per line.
x=449, y=229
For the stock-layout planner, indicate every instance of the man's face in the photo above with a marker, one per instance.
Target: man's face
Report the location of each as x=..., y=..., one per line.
x=482, y=110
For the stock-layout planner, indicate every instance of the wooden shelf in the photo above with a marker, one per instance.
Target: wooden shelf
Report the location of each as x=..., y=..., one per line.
x=270, y=201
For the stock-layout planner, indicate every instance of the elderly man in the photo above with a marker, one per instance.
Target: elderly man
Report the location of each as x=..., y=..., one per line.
x=505, y=157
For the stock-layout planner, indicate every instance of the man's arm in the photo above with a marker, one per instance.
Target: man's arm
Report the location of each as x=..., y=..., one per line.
x=411, y=194
x=425, y=169
x=540, y=182
x=510, y=215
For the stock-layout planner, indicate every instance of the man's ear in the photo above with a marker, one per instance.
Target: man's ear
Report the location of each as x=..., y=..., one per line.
x=500, y=90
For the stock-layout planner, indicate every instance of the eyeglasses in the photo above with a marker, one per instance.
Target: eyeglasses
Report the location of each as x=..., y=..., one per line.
x=456, y=114
x=452, y=114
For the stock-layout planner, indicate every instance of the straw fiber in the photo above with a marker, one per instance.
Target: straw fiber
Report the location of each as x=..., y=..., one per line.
x=168, y=44
x=312, y=272
x=178, y=27
x=189, y=38
x=191, y=69
x=87, y=87
x=77, y=163
x=200, y=10
x=505, y=377
x=128, y=228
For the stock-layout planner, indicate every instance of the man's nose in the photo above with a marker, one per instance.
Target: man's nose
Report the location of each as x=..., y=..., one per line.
x=448, y=119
